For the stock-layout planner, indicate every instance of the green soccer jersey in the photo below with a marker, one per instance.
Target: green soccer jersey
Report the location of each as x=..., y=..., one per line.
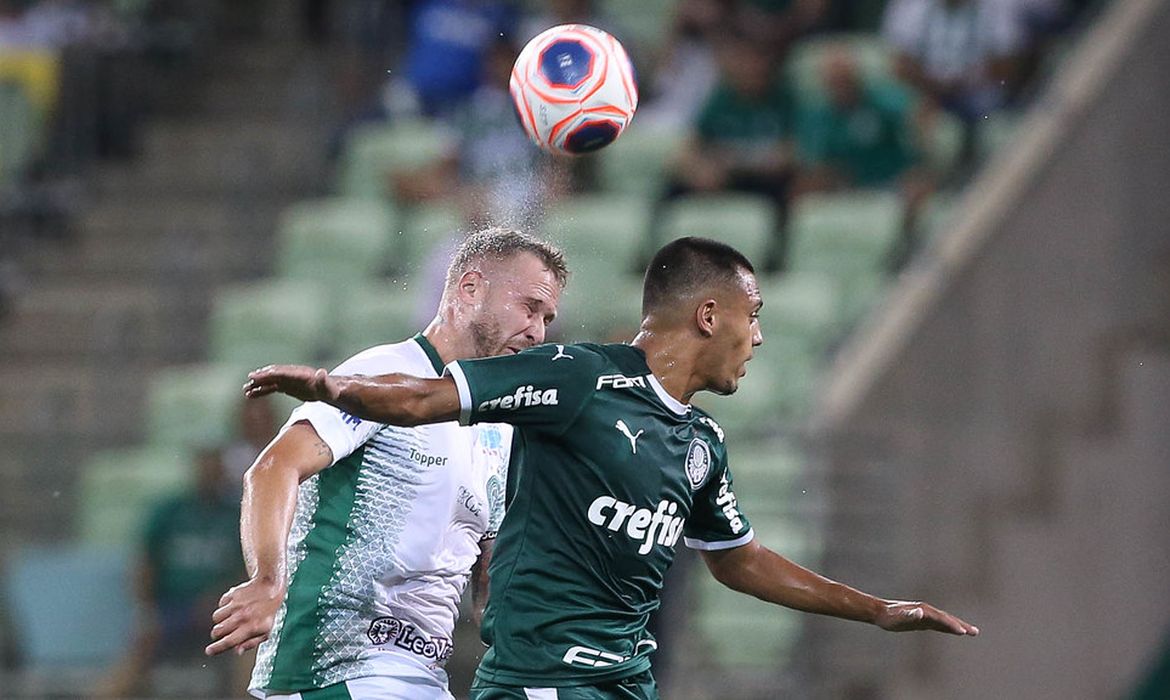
x=608, y=473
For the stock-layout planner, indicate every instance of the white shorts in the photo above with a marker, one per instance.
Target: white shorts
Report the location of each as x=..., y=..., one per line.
x=374, y=688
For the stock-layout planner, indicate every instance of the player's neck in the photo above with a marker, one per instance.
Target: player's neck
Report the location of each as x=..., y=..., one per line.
x=447, y=341
x=669, y=358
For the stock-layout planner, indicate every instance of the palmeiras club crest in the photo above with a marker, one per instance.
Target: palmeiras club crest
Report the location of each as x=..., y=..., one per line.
x=698, y=463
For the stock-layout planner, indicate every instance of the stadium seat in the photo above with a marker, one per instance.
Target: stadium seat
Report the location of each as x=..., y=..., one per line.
x=336, y=241
x=803, y=307
x=944, y=143
x=194, y=406
x=606, y=226
x=601, y=303
x=640, y=26
x=267, y=322
x=374, y=152
x=775, y=394
x=374, y=314
x=636, y=163
x=844, y=234
x=744, y=221
x=423, y=229
x=69, y=606
x=119, y=487
x=19, y=135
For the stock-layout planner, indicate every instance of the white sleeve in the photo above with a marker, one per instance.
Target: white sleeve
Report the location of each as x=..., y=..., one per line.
x=342, y=432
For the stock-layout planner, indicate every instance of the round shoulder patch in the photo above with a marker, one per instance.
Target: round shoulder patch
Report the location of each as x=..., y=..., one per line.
x=698, y=463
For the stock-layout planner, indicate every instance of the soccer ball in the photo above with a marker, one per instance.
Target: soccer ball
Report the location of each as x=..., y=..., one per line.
x=573, y=88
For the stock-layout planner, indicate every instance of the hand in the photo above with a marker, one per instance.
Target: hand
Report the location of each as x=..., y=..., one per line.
x=245, y=616
x=298, y=381
x=905, y=616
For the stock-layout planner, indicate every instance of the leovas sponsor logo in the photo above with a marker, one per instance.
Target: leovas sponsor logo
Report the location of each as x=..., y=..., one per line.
x=650, y=527
x=523, y=397
x=726, y=500
x=404, y=635
x=619, y=381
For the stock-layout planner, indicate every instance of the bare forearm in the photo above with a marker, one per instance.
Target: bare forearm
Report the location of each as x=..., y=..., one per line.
x=769, y=576
x=395, y=399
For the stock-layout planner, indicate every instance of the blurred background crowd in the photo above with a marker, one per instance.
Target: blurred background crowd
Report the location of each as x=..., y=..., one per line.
x=189, y=189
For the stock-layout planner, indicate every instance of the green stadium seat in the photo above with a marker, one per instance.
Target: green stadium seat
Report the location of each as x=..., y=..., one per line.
x=744, y=221
x=119, y=488
x=636, y=163
x=70, y=606
x=335, y=240
x=995, y=132
x=19, y=133
x=844, y=234
x=944, y=143
x=804, y=307
x=602, y=303
x=423, y=229
x=374, y=152
x=611, y=227
x=268, y=322
x=641, y=26
x=375, y=314
x=194, y=406
x=777, y=391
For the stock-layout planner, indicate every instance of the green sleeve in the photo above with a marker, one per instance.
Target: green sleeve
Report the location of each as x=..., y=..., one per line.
x=716, y=521
x=542, y=388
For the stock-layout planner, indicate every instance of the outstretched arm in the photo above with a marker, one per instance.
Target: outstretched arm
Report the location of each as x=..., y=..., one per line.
x=760, y=572
x=392, y=399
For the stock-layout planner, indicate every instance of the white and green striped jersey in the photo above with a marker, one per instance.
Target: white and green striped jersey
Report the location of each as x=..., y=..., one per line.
x=383, y=541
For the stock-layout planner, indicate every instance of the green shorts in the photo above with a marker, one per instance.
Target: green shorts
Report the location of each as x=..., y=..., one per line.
x=640, y=686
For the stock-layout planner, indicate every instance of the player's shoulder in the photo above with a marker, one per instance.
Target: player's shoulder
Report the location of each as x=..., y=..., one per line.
x=405, y=356
x=707, y=424
x=574, y=355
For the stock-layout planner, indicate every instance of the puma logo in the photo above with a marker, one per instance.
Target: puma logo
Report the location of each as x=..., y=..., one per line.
x=561, y=353
x=624, y=429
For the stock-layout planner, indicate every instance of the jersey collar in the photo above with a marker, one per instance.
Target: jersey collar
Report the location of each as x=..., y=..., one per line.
x=672, y=403
x=431, y=352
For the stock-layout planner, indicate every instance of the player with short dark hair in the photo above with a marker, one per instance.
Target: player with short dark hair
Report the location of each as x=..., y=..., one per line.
x=611, y=467
x=359, y=537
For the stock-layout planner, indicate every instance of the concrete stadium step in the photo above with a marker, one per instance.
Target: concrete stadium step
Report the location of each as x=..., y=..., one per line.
x=108, y=322
x=47, y=400
x=228, y=158
x=170, y=242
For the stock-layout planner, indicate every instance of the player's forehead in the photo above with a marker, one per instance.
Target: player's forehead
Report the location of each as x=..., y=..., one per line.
x=526, y=275
x=747, y=288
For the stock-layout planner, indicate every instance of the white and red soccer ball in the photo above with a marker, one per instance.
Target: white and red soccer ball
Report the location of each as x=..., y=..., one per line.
x=573, y=87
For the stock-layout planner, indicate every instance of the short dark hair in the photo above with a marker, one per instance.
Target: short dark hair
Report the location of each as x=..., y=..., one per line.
x=687, y=265
x=500, y=244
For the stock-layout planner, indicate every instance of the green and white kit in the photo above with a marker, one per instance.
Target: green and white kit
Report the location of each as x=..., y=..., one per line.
x=382, y=543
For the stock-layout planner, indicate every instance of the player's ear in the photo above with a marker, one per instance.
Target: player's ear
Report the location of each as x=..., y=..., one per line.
x=705, y=318
x=471, y=287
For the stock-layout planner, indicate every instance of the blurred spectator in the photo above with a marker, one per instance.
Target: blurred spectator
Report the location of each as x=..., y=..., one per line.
x=256, y=428
x=448, y=41
x=557, y=12
x=742, y=139
x=862, y=136
x=687, y=71
x=191, y=554
x=494, y=172
x=960, y=54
